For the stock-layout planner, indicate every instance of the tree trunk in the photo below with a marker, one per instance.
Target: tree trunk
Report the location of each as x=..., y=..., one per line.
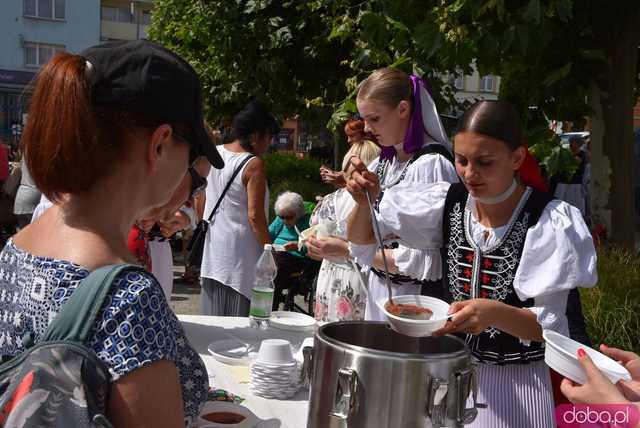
x=600, y=183
x=616, y=90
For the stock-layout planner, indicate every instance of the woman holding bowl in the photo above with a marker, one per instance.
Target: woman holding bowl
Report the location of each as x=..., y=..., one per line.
x=511, y=254
x=401, y=115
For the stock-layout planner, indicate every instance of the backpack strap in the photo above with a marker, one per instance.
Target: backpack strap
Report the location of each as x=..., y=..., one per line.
x=75, y=320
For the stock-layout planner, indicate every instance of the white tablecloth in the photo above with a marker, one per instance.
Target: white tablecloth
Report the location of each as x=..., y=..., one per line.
x=202, y=330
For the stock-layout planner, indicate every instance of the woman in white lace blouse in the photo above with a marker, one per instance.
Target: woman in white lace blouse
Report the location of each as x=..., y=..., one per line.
x=511, y=254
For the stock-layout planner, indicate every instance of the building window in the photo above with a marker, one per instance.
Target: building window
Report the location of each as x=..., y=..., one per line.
x=146, y=17
x=116, y=14
x=487, y=84
x=458, y=82
x=284, y=140
x=37, y=54
x=47, y=9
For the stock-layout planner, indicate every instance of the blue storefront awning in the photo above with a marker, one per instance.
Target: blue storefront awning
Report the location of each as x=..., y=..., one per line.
x=12, y=77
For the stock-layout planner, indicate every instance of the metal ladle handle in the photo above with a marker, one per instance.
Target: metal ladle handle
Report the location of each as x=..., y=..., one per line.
x=376, y=232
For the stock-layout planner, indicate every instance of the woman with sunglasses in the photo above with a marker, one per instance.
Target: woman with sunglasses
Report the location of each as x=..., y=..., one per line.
x=148, y=239
x=178, y=214
x=101, y=143
x=511, y=253
x=239, y=226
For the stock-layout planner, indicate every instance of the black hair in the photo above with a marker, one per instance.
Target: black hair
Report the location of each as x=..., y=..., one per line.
x=255, y=117
x=493, y=118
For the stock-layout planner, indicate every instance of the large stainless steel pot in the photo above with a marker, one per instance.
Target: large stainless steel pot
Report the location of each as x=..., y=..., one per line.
x=367, y=375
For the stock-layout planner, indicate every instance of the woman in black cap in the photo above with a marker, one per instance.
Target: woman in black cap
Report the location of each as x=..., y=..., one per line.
x=111, y=133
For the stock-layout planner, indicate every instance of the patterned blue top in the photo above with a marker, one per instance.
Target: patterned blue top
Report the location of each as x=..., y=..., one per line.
x=135, y=327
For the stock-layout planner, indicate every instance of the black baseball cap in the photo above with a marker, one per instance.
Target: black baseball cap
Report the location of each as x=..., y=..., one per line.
x=145, y=77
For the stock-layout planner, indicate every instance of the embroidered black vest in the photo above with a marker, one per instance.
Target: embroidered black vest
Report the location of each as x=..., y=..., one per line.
x=429, y=149
x=472, y=273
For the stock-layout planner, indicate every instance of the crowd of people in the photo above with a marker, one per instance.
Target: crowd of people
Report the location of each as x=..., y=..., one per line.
x=113, y=166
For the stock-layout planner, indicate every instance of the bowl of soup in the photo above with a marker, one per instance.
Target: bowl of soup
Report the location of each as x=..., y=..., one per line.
x=222, y=414
x=413, y=315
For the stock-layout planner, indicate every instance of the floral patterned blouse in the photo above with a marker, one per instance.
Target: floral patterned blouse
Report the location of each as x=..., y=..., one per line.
x=340, y=294
x=135, y=327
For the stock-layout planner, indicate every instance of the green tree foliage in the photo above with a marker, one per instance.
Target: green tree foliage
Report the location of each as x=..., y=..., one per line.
x=273, y=50
x=304, y=57
x=564, y=59
x=307, y=57
x=287, y=172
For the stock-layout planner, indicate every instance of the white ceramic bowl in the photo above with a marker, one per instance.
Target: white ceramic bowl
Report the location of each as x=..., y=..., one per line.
x=294, y=321
x=561, y=355
x=412, y=327
x=275, y=352
x=231, y=351
x=250, y=421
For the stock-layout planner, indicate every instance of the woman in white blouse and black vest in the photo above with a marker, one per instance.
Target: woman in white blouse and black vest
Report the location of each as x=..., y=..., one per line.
x=511, y=254
x=399, y=112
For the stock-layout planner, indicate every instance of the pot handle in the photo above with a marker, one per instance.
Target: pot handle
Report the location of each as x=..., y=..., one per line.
x=467, y=383
x=435, y=405
x=346, y=397
x=306, y=371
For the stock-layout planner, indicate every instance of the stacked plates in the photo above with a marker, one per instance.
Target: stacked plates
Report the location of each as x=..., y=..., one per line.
x=275, y=373
x=274, y=381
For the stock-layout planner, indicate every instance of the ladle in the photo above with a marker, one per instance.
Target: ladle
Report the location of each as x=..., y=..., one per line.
x=406, y=311
x=376, y=230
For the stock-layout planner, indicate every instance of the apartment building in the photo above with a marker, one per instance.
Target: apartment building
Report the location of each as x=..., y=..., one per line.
x=124, y=19
x=476, y=87
x=32, y=31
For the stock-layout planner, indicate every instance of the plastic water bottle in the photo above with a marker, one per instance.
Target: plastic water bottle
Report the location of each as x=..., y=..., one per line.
x=262, y=291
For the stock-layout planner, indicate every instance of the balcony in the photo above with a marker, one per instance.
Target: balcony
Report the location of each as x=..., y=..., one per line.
x=110, y=30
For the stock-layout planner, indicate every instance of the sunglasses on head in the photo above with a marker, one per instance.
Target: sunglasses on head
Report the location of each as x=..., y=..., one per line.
x=189, y=141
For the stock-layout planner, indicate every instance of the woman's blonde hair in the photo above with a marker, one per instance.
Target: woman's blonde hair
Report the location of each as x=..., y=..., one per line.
x=388, y=86
x=366, y=150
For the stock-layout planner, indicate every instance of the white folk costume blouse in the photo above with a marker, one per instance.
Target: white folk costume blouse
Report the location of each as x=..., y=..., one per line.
x=416, y=263
x=532, y=262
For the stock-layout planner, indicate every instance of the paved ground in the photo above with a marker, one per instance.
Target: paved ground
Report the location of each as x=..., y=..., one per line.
x=185, y=298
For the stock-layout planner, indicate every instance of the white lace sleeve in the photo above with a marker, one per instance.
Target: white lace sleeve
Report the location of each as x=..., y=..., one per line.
x=413, y=213
x=431, y=168
x=558, y=254
x=550, y=311
x=422, y=264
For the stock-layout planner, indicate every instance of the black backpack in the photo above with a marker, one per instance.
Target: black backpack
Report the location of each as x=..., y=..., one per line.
x=60, y=382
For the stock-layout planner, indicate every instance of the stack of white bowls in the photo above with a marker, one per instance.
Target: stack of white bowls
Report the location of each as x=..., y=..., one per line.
x=274, y=373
